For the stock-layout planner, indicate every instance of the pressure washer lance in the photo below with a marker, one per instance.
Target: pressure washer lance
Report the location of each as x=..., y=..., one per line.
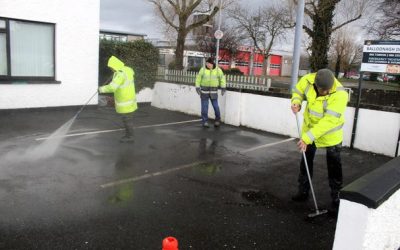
x=317, y=211
x=76, y=115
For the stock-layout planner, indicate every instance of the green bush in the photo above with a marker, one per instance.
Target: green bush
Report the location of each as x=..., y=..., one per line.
x=140, y=55
x=172, y=65
x=233, y=71
x=194, y=69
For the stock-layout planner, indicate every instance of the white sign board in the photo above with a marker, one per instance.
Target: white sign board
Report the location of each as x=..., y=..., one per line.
x=381, y=56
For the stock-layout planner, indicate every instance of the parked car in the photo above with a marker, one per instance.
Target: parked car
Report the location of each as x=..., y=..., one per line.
x=357, y=76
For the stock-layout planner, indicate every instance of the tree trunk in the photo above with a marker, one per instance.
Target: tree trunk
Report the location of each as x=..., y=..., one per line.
x=180, y=47
x=322, y=30
x=337, y=66
x=251, y=66
x=265, y=64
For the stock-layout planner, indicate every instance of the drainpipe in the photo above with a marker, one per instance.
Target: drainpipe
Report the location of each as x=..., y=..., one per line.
x=353, y=134
x=397, y=147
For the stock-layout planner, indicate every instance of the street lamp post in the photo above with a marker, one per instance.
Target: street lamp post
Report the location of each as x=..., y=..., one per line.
x=219, y=36
x=297, y=43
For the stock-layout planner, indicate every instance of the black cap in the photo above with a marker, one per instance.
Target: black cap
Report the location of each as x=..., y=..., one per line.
x=324, y=79
x=211, y=60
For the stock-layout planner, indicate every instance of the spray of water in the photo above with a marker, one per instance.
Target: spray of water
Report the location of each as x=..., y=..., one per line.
x=48, y=147
x=44, y=150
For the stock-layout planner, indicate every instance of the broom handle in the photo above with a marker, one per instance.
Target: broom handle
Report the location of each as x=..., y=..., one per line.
x=306, y=164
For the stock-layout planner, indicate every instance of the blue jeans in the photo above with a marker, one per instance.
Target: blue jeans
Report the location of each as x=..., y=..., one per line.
x=204, y=109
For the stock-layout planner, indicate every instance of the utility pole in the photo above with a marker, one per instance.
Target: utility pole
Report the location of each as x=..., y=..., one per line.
x=297, y=43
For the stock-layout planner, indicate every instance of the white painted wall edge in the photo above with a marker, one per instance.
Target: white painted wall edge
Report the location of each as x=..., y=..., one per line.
x=362, y=228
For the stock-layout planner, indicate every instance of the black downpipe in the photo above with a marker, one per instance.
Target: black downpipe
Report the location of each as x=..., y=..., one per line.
x=397, y=146
x=353, y=134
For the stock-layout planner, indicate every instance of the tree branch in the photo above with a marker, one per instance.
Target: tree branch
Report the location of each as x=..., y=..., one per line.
x=347, y=22
x=205, y=20
x=161, y=11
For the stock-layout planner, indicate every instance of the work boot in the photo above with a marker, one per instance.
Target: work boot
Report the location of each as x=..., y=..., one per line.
x=217, y=124
x=126, y=138
x=300, y=196
x=205, y=125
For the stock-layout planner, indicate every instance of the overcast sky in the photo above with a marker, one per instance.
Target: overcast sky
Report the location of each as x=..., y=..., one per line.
x=136, y=16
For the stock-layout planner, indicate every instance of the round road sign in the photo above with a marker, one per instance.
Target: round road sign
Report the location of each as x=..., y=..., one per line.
x=218, y=34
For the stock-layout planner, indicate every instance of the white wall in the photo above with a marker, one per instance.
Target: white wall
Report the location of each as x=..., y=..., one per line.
x=77, y=49
x=362, y=228
x=379, y=135
x=377, y=131
x=145, y=95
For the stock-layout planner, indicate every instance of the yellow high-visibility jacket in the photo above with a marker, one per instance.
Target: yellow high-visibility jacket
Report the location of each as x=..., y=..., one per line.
x=208, y=80
x=122, y=85
x=323, y=115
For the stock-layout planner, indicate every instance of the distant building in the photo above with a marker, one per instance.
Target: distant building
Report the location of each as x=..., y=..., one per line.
x=120, y=36
x=279, y=62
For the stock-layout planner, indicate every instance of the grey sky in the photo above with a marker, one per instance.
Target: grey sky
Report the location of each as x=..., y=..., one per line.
x=136, y=16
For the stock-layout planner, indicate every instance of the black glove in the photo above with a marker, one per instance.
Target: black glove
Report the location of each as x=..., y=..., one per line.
x=223, y=91
x=198, y=91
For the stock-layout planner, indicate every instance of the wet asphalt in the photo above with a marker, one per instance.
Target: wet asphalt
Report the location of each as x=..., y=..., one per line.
x=209, y=188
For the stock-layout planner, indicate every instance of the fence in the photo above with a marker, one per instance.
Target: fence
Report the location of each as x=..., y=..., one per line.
x=232, y=81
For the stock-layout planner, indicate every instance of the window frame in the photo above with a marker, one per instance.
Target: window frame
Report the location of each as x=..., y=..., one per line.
x=6, y=79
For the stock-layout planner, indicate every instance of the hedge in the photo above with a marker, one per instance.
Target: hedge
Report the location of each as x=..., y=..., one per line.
x=140, y=55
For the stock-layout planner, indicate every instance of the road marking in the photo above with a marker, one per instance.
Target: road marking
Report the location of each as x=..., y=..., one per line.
x=119, y=129
x=146, y=176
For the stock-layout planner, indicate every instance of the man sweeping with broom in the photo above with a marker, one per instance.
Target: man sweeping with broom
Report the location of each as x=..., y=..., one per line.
x=123, y=87
x=322, y=128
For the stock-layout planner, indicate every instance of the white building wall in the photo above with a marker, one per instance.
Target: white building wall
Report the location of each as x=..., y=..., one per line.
x=76, y=52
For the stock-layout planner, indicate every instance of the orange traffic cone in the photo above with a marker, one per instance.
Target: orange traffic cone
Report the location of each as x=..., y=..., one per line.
x=170, y=243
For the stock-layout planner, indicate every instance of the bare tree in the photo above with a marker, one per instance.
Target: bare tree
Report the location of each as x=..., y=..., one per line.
x=385, y=24
x=230, y=42
x=178, y=16
x=346, y=52
x=321, y=23
x=263, y=26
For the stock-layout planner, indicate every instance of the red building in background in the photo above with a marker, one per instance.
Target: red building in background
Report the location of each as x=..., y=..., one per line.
x=242, y=61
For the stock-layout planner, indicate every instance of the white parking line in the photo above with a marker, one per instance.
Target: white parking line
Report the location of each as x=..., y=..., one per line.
x=119, y=129
x=266, y=145
x=146, y=176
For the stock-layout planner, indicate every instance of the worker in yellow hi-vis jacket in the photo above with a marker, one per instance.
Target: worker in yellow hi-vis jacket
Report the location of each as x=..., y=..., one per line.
x=322, y=127
x=123, y=87
x=209, y=79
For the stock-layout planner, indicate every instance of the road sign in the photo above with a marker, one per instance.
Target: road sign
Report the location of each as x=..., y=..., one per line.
x=218, y=34
x=381, y=56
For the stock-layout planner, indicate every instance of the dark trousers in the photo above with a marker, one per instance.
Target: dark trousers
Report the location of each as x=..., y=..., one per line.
x=127, y=123
x=204, y=108
x=334, y=164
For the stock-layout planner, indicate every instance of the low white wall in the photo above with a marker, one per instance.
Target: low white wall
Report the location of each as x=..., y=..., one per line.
x=362, y=228
x=377, y=131
x=145, y=95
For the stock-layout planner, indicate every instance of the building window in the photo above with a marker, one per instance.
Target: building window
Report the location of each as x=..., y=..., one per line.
x=195, y=62
x=26, y=50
